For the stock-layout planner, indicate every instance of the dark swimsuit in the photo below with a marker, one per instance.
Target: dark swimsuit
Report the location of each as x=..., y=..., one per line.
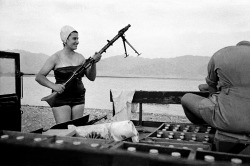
x=74, y=92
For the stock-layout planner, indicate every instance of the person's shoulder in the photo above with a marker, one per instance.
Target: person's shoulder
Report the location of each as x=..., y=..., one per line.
x=58, y=53
x=236, y=48
x=54, y=57
x=79, y=56
x=224, y=49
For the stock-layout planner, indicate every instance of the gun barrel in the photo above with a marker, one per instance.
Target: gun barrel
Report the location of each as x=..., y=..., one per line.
x=120, y=33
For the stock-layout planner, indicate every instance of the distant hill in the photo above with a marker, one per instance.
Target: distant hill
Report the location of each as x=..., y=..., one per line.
x=180, y=67
x=187, y=66
x=30, y=63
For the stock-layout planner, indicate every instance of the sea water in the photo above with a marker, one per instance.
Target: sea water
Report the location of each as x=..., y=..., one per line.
x=98, y=91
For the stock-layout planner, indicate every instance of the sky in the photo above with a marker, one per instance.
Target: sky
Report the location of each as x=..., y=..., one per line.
x=159, y=28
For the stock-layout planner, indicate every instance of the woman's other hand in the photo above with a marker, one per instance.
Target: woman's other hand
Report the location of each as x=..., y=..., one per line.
x=97, y=57
x=59, y=88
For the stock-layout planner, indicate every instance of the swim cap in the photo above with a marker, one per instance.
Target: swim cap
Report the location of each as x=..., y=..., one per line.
x=65, y=32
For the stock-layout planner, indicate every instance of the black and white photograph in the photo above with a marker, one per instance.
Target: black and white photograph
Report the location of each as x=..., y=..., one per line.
x=128, y=82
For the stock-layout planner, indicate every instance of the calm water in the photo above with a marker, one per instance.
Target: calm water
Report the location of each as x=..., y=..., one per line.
x=98, y=92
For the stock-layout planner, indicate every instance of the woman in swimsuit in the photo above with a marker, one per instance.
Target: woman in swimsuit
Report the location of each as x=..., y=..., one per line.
x=70, y=102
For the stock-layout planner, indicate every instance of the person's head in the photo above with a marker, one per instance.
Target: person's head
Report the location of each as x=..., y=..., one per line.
x=243, y=43
x=69, y=36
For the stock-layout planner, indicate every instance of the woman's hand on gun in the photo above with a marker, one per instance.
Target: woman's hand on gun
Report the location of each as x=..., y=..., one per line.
x=97, y=57
x=59, y=88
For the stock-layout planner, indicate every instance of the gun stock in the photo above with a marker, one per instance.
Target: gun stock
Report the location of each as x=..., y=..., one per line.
x=50, y=99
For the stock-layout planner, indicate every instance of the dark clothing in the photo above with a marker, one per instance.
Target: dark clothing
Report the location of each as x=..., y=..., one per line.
x=74, y=92
x=229, y=72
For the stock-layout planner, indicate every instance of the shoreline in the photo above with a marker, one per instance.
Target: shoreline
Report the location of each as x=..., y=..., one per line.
x=131, y=76
x=37, y=117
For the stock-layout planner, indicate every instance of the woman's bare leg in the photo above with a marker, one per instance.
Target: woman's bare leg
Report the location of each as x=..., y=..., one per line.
x=77, y=111
x=62, y=114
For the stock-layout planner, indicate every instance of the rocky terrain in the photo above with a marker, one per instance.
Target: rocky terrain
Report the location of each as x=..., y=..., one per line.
x=37, y=117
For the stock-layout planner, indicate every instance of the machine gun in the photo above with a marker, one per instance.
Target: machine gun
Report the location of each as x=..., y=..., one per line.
x=83, y=121
x=89, y=62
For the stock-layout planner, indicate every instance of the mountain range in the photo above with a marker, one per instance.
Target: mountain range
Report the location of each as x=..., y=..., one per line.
x=188, y=66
